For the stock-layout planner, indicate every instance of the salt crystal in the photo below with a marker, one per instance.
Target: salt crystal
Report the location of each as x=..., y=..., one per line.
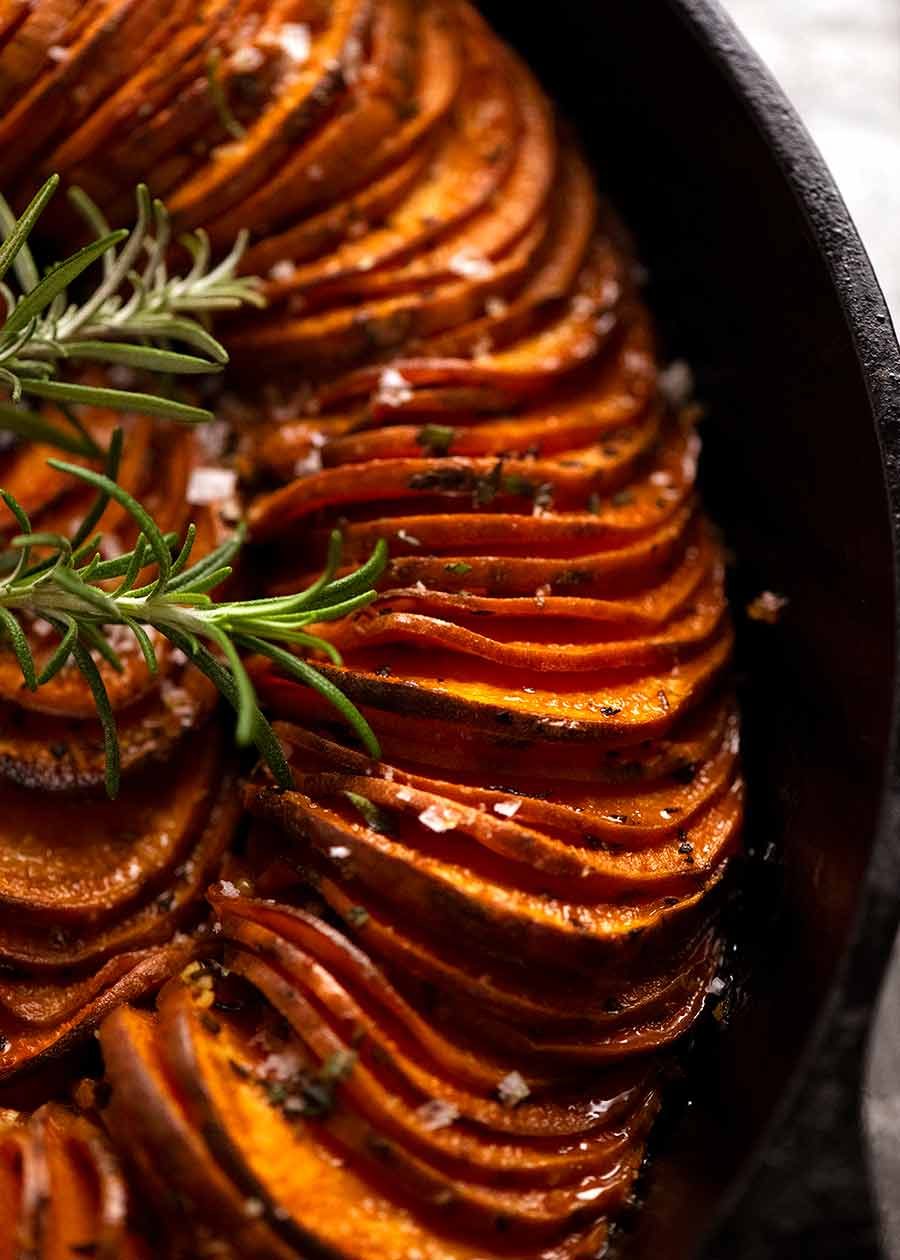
x=767, y=607
x=582, y=306
x=56, y=52
x=295, y=39
x=439, y=818
x=282, y=271
x=661, y=479
x=339, y=852
x=408, y=538
x=227, y=889
x=716, y=986
x=281, y=1065
x=482, y=347
x=420, y=588
x=354, y=53
x=254, y=1208
x=436, y=1114
x=496, y=307
x=309, y=463
x=677, y=382
x=247, y=59
x=513, y=1089
x=470, y=265
x=393, y=388
x=507, y=809
x=404, y=794
x=211, y=485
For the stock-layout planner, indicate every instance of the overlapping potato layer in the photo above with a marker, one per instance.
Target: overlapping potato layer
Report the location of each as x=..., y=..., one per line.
x=100, y=898
x=455, y=1046
x=61, y=1190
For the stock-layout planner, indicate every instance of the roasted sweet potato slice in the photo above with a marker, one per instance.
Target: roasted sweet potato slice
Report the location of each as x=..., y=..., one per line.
x=74, y=861
x=307, y=1198
x=26, y=1044
x=59, y=754
x=100, y=58
x=39, y=946
x=440, y=70
x=319, y=171
x=147, y=1117
x=235, y=170
x=469, y=176
x=66, y=1194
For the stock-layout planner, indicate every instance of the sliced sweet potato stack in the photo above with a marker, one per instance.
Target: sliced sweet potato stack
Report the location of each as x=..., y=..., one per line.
x=271, y=1070
x=42, y=947
x=100, y=57
x=59, y=754
x=38, y=29
x=78, y=862
x=64, y=1191
x=319, y=171
x=236, y=170
x=440, y=70
x=25, y=1044
x=480, y=153
x=152, y=111
x=434, y=1011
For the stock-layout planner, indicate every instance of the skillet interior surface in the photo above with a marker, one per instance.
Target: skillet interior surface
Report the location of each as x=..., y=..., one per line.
x=759, y=279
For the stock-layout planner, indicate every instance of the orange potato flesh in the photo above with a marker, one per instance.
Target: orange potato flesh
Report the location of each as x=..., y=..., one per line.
x=526, y=886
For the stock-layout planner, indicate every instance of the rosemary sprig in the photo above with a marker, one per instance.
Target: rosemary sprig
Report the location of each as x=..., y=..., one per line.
x=129, y=319
x=71, y=587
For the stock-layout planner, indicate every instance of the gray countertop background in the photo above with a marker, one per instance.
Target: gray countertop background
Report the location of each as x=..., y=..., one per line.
x=839, y=62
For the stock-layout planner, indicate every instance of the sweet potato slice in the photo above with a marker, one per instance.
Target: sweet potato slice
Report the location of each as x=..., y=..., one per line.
x=440, y=72
x=319, y=171
x=307, y=1198
x=236, y=169
x=409, y=739
x=147, y=1117
x=58, y=754
x=24, y=1045
x=99, y=59
x=73, y=861
x=66, y=1192
x=470, y=171
x=42, y=947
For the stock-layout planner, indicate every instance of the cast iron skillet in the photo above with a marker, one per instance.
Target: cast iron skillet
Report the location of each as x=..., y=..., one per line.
x=759, y=279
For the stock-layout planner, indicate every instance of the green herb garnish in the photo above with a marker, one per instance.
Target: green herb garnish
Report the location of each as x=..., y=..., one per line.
x=129, y=319
x=70, y=588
